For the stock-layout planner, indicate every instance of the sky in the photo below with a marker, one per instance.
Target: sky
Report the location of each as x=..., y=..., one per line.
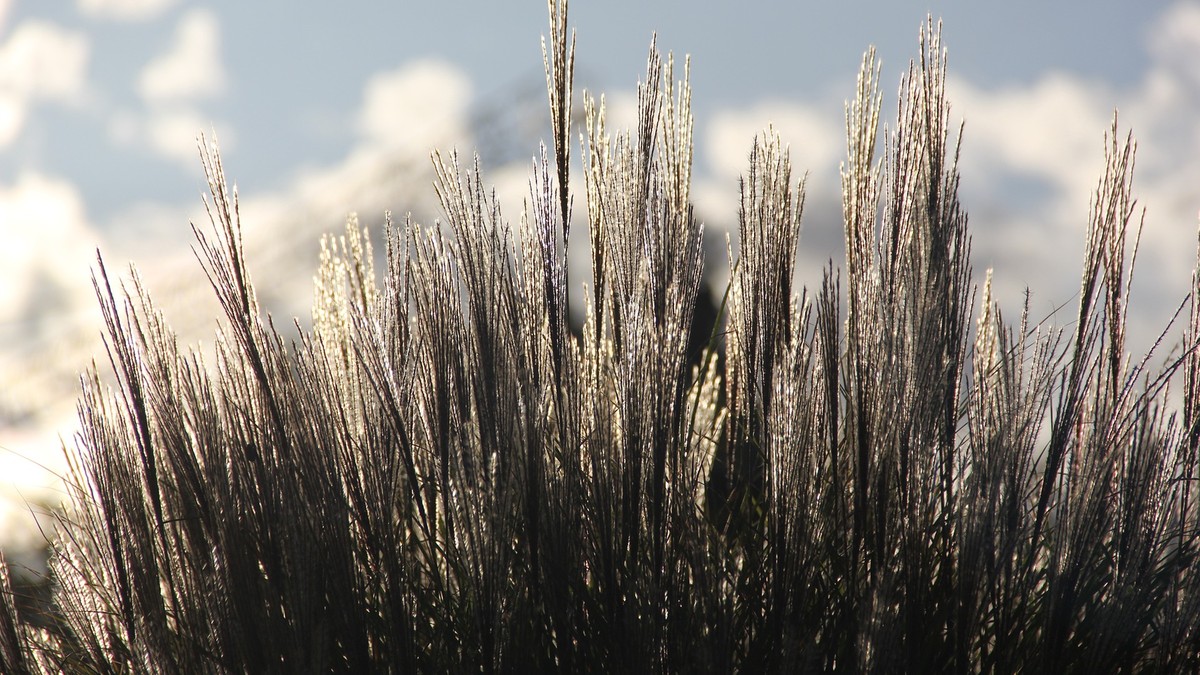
x=322, y=109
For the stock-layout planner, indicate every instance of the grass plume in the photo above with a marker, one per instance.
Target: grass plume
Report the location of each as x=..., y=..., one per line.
x=442, y=475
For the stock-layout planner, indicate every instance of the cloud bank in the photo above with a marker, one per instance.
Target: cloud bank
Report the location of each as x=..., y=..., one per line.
x=192, y=68
x=40, y=61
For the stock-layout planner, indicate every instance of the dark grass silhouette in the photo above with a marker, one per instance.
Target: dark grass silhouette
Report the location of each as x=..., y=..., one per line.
x=441, y=476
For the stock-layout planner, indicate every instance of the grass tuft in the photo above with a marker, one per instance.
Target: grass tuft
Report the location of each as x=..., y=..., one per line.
x=443, y=475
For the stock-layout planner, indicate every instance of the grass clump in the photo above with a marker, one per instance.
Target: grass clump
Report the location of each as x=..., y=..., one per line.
x=443, y=476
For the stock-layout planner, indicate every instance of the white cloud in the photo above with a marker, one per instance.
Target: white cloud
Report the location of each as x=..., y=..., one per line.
x=172, y=134
x=171, y=84
x=31, y=462
x=13, y=110
x=192, y=68
x=43, y=60
x=1030, y=158
x=415, y=108
x=1050, y=132
x=125, y=10
x=813, y=136
x=810, y=132
x=46, y=239
x=46, y=302
x=620, y=111
x=1174, y=42
x=39, y=61
x=169, y=132
x=403, y=115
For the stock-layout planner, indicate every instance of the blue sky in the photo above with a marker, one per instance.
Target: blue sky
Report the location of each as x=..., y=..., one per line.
x=327, y=108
